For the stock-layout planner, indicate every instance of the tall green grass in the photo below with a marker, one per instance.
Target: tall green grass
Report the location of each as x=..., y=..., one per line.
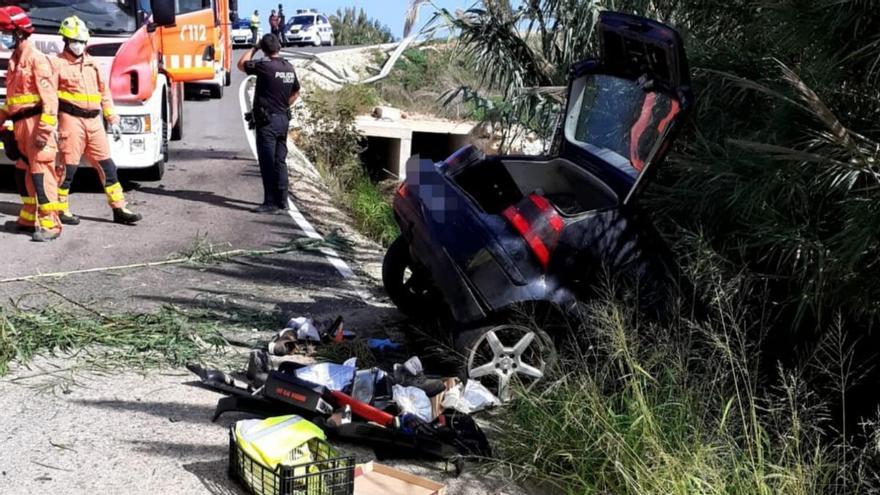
x=676, y=408
x=333, y=145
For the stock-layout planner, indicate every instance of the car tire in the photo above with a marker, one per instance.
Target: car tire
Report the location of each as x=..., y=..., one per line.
x=227, y=78
x=318, y=41
x=408, y=286
x=217, y=92
x=505, y=356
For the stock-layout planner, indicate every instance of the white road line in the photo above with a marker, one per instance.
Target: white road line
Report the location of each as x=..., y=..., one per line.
x=332, y=256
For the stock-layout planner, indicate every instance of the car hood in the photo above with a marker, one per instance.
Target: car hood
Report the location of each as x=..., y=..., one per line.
x=625, y=107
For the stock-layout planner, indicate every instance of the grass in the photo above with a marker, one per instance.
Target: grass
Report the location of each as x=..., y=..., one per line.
x=168, y=337
x=678, y=408
x=372, y=212
x=333, y=145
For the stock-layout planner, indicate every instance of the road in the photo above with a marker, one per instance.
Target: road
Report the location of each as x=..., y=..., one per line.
x=210, y=186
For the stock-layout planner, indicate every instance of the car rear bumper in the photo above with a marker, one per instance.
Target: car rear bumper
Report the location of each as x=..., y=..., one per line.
x=478, y=263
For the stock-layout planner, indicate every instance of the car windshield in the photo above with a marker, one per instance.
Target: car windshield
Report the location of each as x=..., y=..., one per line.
x=303, y=20
x=618, y=120
x=242, y=24
x=101, y=16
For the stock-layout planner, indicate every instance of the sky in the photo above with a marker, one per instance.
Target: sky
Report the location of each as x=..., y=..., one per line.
x=388, y=12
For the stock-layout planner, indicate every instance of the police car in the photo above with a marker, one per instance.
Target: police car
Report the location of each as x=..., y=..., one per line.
x=242, y=34
x=308, y=27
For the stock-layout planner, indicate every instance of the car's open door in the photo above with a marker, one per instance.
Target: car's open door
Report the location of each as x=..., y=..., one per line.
x=625, y=108
x=188, y=46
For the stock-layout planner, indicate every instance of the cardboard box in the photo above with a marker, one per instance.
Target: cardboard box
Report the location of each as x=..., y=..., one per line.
x=376, y=479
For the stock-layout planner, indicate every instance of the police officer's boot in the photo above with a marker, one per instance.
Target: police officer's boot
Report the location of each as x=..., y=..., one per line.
x=125, y=216
x=68, y=218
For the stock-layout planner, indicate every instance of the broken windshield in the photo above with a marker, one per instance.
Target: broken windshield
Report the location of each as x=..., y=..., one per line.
x=107, y=17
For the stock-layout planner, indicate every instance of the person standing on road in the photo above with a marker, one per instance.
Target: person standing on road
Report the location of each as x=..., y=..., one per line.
x=273, y=24
x=32, y=106
x=277, y=90
x=84, y=97
x=281, y=23
x=255, y=27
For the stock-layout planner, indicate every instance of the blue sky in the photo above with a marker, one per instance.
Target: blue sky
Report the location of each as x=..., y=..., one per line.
x=389, y=12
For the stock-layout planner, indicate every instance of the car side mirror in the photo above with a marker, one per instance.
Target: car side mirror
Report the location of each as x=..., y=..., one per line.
x=164, y=13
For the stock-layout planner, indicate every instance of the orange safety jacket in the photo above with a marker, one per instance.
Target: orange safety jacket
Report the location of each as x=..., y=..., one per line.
x=81, y=84
x=30, y=83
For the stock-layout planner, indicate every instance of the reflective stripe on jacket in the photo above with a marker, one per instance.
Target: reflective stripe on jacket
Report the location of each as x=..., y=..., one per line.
x=32, y=80
x=81, y=83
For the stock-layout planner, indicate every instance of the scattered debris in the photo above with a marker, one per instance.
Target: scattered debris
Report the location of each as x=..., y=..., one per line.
x=470, y=397
x=415, y=401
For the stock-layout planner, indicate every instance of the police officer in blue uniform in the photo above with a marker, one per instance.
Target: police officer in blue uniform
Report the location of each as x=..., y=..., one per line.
x=277, y=90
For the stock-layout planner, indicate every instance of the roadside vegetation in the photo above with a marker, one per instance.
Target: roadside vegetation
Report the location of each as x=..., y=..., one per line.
x=352, y=27
x=334, y=146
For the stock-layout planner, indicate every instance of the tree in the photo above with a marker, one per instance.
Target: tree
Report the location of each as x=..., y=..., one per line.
x=353, y=27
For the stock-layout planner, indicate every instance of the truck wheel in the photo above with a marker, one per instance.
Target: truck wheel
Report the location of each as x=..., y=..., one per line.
x=408, y=286
x=217, y=92
x=177, y=130
x=164, y=150
x=227, y=79
x=506, y=356
x=156, y=172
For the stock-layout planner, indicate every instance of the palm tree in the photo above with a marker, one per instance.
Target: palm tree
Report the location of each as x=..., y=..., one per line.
x=781, y=166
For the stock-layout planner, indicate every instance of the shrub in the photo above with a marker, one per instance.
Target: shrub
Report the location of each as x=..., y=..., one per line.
x=353, y=27
x=333, y=145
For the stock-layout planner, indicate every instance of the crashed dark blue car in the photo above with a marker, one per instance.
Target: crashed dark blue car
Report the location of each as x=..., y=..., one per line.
x=484, y=234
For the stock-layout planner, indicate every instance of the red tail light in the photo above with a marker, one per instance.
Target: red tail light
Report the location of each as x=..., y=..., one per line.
x=540, y=225
x=402, y=190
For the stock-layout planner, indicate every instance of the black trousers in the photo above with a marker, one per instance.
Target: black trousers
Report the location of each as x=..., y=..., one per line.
x=272, y=153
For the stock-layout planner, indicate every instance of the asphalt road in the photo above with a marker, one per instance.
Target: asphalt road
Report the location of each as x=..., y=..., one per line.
x=210, y=185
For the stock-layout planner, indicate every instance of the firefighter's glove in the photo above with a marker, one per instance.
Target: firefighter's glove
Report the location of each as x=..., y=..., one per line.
x=116, y=130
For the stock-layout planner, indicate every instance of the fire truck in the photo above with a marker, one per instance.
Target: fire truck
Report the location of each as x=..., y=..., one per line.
x=147, y=49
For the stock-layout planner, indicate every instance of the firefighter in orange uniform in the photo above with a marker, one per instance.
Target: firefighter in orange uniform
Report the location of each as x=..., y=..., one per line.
x=83, y=98
x=32, y=105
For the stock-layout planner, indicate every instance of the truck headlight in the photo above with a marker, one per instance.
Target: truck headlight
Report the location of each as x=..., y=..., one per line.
x=135, y=124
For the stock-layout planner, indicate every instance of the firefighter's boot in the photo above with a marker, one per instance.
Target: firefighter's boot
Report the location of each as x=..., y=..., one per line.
x=125, y=216
x=68, y=218
x=46, y=235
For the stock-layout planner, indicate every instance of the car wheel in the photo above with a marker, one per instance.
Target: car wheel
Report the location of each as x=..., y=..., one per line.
x=217, y=92
x=408, y=286
x=318, y=41
x=506, y=356
x=227, y=78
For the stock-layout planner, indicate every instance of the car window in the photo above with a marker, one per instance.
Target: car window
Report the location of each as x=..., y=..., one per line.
x=617, y=120
x=324, y=20
x=187, y=6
